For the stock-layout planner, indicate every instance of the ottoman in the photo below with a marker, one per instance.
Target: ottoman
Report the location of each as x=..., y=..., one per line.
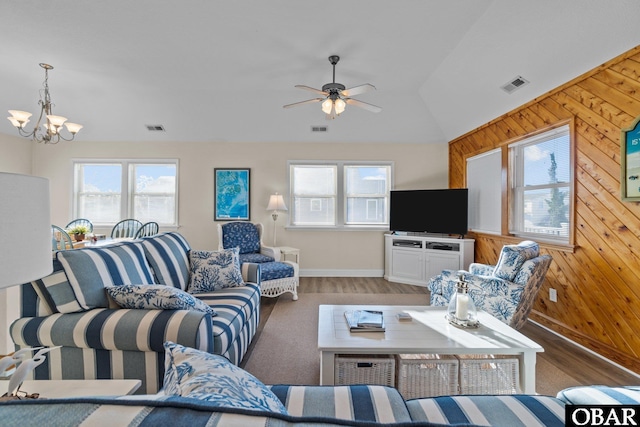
x=276, y=278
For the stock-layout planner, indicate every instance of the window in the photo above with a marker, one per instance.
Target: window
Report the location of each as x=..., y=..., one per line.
x=107, y=191
x=339, y=194
x=542, y=186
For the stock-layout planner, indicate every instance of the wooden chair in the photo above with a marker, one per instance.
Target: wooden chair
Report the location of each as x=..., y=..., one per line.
x=80, y=221
x=147, y=229
x=125, y=228
x=60, y=239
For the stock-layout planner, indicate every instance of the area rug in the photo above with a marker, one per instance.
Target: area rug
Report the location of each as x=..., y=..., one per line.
x=286, y=351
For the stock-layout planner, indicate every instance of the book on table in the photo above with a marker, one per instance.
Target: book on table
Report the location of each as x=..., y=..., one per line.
x=365, y=320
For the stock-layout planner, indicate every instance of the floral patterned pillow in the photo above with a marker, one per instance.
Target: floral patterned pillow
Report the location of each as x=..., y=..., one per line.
x=205, y=376
x=212, y=271
x=159, y=297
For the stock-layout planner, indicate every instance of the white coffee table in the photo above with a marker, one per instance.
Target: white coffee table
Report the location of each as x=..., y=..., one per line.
x=75, y=388
x=428, y=332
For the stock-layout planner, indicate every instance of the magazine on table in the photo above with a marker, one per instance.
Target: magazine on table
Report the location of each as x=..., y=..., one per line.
x=365, y=320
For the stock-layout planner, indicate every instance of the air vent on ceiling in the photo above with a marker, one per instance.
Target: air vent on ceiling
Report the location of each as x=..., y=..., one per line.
x=514, y=84
x=155, y=128
x=319, y=128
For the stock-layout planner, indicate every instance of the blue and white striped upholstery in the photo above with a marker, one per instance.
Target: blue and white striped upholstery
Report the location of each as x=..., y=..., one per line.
x=112, y=343
x=163, y=411
x=600, y=395
x=356, y=402
x=90, y=270
x=496, y=411
x=168, y=255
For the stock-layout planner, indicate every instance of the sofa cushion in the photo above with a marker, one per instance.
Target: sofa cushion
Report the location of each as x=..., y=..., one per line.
x=168, y=255
x=600, y=395
x=255, y=257
x=90, y=270
x=214, y=270
x=204, y=376
x=235, y=307
x=518, y=410
x=373, y=403
x=512, y=257
x=156, y=297
x=275, y=270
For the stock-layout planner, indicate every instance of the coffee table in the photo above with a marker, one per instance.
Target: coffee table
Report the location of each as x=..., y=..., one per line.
x=429, y=332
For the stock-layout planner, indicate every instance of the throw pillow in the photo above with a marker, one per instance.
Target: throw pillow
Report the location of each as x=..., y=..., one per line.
x=212, y=271
x=512, y=257
x=90, y=270
x=168, y=255
x=205, y=376
x=160, y=297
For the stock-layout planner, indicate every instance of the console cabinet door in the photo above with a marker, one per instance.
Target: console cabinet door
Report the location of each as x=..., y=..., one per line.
x=436, y=261
x=407, y=264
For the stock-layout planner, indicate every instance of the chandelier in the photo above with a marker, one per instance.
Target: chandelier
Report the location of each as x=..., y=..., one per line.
x=50, y=133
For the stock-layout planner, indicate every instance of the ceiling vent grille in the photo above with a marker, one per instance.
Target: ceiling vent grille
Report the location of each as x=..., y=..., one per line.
x=155, y=128
x=514, y=84
x=319, y=128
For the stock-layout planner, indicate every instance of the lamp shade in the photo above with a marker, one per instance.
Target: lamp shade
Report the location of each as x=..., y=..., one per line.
x=25, y=229
x=276, y=203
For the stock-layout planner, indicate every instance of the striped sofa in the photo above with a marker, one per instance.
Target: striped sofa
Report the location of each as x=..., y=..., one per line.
x=310, y=406
x=99, y=340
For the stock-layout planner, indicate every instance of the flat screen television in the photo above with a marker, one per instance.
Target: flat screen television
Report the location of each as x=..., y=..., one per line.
x=429, y=211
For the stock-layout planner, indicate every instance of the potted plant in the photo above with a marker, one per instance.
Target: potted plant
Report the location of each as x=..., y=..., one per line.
x=79, y=232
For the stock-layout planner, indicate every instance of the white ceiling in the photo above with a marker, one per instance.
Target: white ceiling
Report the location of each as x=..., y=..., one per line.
x=222, y=70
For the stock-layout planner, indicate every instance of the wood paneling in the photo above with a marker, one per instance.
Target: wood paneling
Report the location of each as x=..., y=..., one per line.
x=598, y=282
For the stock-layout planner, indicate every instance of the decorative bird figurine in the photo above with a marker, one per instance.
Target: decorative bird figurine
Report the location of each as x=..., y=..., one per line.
x=13, y=359
x=25, y=367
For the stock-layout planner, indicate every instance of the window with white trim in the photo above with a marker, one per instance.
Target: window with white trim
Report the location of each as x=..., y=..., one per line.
x=339, y=194
x=542, y=186
x=107, y=191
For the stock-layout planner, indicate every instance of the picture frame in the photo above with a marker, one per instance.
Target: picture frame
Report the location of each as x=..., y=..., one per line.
x=232, y=194
x=630, y=162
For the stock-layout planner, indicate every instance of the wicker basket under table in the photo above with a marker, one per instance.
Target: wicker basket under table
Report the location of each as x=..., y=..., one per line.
x=426, y=375
x=489, y=374
x=376, y=369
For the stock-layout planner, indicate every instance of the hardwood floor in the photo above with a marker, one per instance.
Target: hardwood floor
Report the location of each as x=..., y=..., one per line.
x=584, y=367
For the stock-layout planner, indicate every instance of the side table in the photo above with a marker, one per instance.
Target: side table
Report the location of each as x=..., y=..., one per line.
x=287, y=250
x=76, y=388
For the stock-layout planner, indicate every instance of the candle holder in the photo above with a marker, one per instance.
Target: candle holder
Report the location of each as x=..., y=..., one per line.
x=462, y=310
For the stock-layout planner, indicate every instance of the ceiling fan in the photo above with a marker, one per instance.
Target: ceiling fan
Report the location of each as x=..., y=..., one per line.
x=336, y=96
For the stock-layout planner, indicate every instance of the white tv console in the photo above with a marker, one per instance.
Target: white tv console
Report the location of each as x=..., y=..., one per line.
x=414, y=259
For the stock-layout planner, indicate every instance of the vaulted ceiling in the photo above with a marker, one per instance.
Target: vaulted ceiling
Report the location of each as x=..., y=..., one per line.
x=222, y=70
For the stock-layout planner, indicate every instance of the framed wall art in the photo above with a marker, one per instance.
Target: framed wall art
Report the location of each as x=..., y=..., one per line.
x=630, y=162
x=231, y=196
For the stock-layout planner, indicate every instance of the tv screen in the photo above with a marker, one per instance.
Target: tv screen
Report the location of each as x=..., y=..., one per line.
x=429, y=211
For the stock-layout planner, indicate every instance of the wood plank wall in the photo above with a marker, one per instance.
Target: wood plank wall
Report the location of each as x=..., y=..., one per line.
x=598, y=282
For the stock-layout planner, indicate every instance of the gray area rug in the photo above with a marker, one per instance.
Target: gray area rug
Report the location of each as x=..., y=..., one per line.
x=286, y=351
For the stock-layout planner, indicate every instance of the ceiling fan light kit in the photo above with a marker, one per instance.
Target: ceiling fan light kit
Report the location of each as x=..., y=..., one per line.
x=336, y=96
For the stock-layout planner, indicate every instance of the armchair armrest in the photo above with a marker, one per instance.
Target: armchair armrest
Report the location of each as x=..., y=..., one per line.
x=251, y=272
x=116, y=329
x=481, y=269
x=271, y=251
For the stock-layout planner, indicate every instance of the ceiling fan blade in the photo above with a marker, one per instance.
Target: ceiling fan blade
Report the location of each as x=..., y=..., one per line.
x=318, y=91
x=370, y=107
x=308, y=101
x=357, y=90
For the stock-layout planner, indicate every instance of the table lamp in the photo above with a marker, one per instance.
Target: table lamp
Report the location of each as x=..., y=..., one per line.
x=276, y=203
x=25, y=229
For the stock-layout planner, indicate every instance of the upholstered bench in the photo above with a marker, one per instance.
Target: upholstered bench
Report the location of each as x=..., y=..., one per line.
x=276, y=278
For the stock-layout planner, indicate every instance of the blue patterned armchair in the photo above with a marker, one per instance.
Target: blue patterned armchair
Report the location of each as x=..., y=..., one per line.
x=248, y=237
x=507, y=290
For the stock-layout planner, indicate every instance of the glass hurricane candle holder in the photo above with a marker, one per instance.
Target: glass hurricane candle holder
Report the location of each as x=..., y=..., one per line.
x=462, y=311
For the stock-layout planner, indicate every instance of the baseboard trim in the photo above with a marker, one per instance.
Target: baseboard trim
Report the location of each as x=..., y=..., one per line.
x=588, y=350
x=341, y=273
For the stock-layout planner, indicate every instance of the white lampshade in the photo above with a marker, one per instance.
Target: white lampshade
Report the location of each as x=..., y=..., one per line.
x=56, y=120
x=327, y=105
x=340, y=106
x=20, y=115
x=25, y=229
x=73, y=127
x=276, y=203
